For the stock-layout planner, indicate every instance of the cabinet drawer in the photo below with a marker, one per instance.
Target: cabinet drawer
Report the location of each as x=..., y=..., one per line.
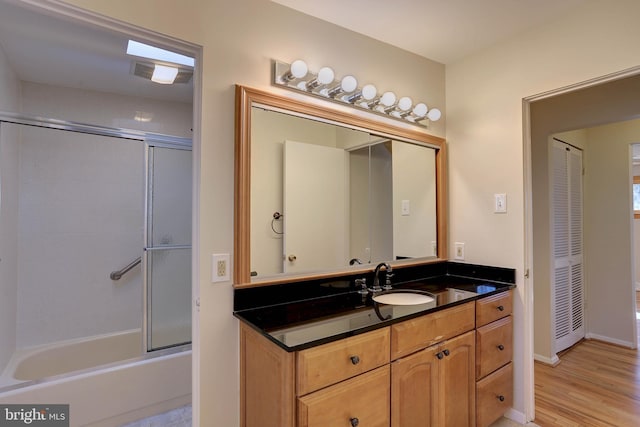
x=412, y=335
x=328, y=364
x=494, y=396
x=494, y=346
x=363, y=401
x=493, y=308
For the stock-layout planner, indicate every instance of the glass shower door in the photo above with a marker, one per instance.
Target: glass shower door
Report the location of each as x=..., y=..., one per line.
x=168, y=247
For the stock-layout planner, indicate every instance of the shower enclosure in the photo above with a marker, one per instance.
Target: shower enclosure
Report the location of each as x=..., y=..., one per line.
x=95, y=247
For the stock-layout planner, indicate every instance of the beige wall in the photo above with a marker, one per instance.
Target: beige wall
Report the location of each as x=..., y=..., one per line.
x=485, y=135
x=239, y=41
x=610, y=283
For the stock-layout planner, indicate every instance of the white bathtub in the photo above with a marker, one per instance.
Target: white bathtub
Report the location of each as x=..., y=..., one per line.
x=113, y=394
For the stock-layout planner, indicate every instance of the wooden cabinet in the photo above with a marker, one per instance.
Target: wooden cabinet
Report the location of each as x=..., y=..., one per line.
x=435, y=386
x=340, y=383
x=494, y=352
x=448, y=368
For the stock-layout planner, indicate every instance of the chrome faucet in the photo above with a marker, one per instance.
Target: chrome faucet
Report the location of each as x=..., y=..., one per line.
x=376, y=278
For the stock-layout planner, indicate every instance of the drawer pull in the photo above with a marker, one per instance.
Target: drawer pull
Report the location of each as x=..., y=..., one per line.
x=446, y=352
x=500, y=308
x=500, y=347
x=439, y=355
x=354, y=422
x=355, y=360
x=501, y=398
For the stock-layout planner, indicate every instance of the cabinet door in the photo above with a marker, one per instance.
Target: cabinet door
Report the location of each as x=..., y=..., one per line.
x=414, y=389
x=457, y=386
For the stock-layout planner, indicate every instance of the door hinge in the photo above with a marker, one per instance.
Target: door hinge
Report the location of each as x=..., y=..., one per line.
x=526, y=273
x=197, y=304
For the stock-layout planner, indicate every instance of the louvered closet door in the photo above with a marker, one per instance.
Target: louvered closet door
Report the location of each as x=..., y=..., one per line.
x=567, y=277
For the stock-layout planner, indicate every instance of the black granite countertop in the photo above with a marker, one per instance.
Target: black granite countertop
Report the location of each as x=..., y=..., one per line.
x=333, y=309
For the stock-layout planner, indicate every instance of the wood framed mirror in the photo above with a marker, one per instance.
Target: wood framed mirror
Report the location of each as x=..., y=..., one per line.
x=390, y=182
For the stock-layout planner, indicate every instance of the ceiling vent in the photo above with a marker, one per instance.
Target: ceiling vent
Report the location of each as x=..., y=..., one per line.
x=145, y=70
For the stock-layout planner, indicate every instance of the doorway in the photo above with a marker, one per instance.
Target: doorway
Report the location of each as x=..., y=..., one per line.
x=609, y=310
x=171, y=372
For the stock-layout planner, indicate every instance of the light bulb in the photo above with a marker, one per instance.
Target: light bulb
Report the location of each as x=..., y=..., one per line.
x=349, y=84
x=420, y=110
x=404, y=103
x=388, y=99
x=298, y=69
x=325, y=75
x=434, y=115
x=369, y=92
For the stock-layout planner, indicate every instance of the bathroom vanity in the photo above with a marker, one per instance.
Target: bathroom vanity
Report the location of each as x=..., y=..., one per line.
x=319, y=348
x=344, y=360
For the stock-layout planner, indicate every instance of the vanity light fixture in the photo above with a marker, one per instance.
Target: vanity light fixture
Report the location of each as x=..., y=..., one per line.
x=296, y=76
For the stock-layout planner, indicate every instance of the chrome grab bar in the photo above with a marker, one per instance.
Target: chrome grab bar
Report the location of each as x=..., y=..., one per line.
x=117, y=275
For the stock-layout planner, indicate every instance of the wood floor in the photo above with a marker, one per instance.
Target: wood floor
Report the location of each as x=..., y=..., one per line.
x=595, y=384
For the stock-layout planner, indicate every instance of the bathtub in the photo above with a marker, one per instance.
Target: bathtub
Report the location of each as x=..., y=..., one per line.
x=125, y=387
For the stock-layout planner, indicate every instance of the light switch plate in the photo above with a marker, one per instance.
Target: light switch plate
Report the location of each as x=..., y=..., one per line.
x=500, y=203
x=406, y=208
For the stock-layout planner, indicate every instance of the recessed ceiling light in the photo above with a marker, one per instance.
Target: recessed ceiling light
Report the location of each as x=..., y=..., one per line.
x=145, y=51
x=164, y=75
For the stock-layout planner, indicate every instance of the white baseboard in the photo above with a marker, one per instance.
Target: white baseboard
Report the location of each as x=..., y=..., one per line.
x=553, y=361
x=610, y=340
x=516, y=416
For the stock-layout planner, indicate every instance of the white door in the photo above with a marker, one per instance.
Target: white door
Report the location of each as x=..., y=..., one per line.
x=567, y=241
x=315, y=209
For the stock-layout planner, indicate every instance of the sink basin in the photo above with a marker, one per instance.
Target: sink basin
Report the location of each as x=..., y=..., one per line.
x=403, y=297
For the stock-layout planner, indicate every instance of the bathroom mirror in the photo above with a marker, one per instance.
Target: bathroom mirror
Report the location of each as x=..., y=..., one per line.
x=317, y=188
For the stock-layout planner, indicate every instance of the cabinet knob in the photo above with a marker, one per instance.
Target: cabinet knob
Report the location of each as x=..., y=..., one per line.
x=355, y=360
x=292, y=257
x=446, y=352
x=439, y=355
x=354, y=422
x=500, y=347
x=501, y=398
x=500, y=308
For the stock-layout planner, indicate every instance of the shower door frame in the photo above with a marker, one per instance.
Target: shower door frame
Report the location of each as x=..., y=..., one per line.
x=150, y=144
x=150, y=139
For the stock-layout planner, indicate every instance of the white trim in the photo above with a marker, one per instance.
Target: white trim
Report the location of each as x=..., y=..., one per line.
x=553, y=361
x=516, y=416
x=610, y=340
x=58, y=7
x=528, y=308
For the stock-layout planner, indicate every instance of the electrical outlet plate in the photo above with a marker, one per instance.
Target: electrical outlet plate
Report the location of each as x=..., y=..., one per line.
x=220, y=268
x=459, y=251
